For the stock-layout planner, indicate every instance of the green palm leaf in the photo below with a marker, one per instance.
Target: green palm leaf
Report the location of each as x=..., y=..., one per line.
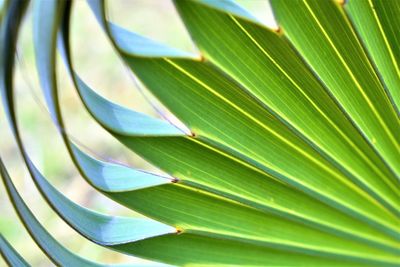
x=293, y=153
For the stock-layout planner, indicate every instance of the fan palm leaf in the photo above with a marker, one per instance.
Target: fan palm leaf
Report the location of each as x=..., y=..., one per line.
x=293, y=152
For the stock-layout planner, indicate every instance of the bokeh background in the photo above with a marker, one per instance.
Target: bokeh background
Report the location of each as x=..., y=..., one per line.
x=101, y=68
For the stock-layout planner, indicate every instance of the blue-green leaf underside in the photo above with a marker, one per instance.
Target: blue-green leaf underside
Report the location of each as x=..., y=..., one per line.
x=10, y=255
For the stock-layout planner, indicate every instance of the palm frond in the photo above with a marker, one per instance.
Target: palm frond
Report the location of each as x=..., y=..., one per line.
x=293, y=154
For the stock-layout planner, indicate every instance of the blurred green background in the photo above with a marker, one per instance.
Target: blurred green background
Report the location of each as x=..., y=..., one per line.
x=101, y=68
